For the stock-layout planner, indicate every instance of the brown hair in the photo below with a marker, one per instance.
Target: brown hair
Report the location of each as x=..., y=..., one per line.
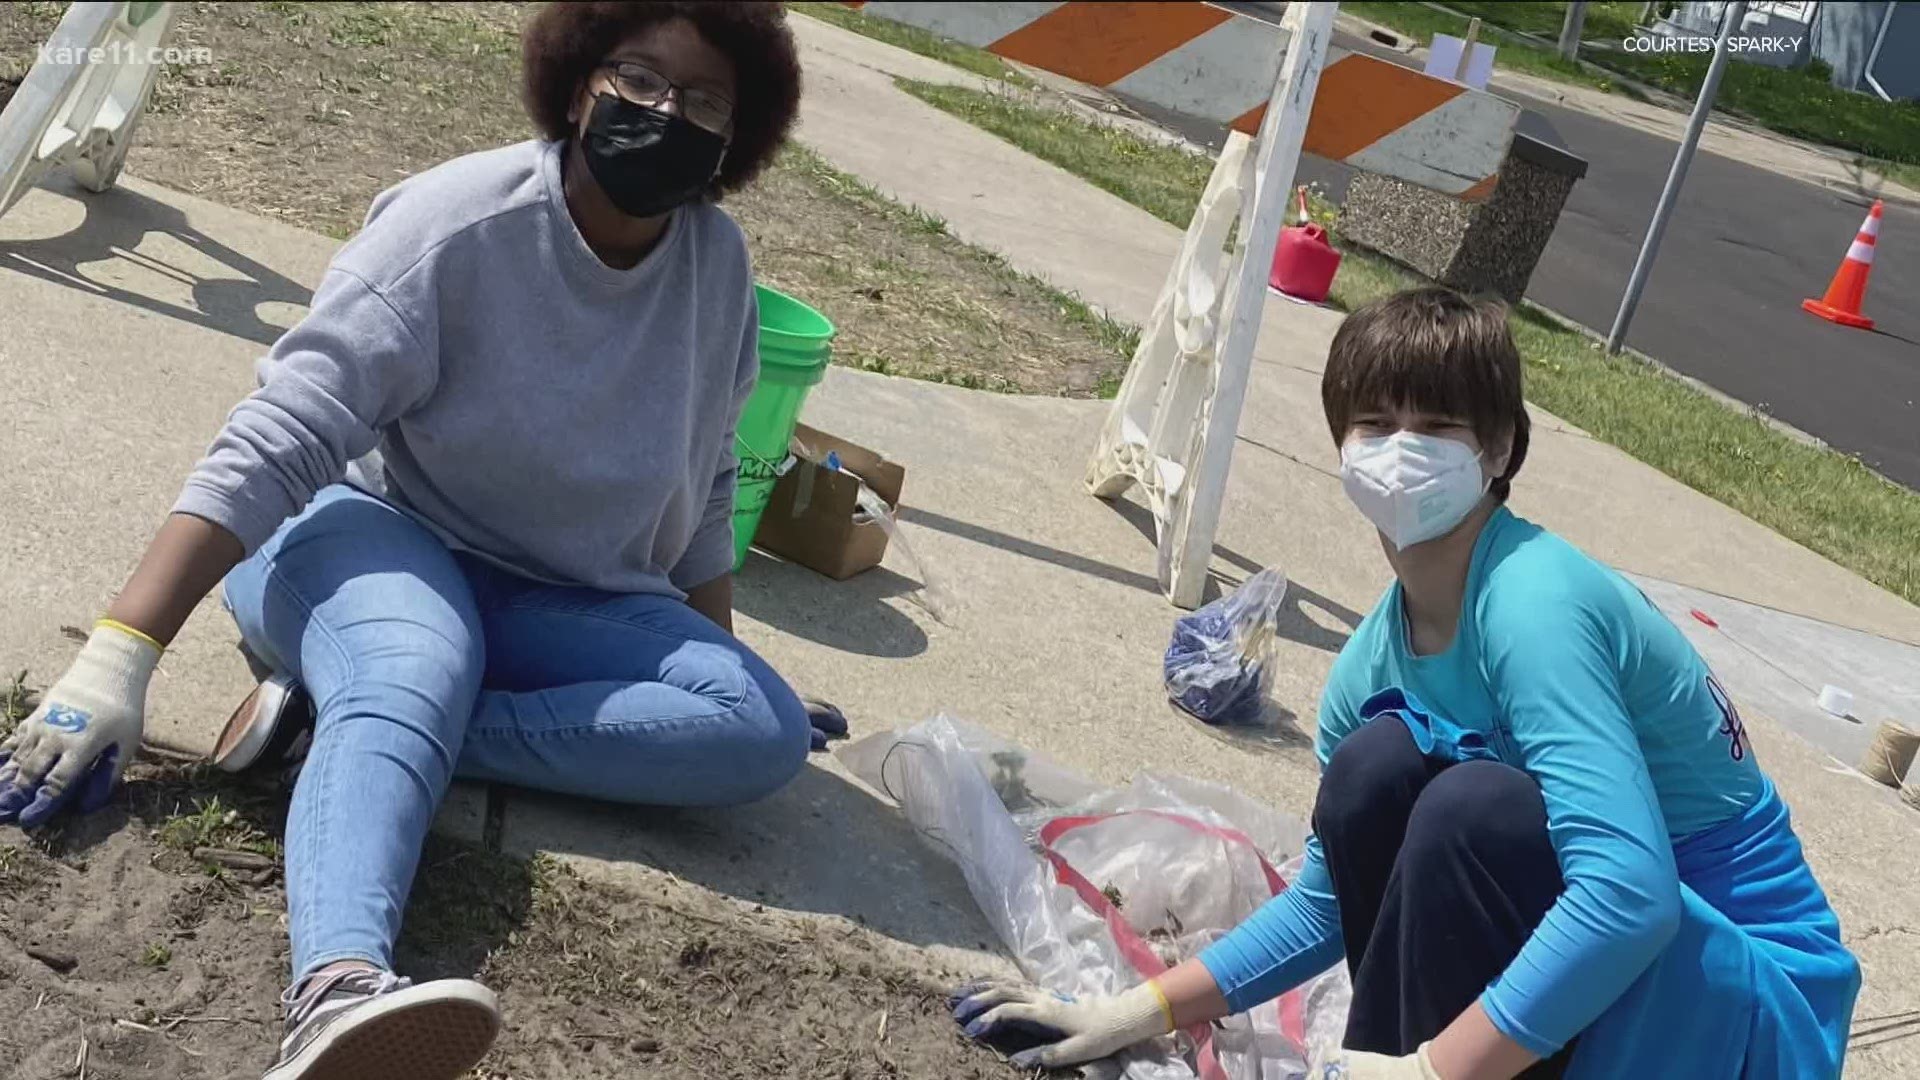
x=563, y=44
x=1433, y=350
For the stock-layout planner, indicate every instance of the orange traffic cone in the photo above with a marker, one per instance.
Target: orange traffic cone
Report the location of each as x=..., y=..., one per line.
x=1849, y=288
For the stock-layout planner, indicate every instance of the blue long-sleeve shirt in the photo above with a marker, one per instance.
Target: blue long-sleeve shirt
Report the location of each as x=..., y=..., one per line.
x=1571, y=674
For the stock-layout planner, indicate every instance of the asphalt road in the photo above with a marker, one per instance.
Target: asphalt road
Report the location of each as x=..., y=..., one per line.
x=1743, y=248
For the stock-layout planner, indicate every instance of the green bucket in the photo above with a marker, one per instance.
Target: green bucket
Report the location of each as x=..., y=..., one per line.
x=795, y=344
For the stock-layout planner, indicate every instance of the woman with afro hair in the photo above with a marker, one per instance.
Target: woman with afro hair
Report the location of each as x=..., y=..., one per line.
x=477, y=520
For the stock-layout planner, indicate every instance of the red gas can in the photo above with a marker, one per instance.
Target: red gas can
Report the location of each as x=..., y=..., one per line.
x=1304, y=263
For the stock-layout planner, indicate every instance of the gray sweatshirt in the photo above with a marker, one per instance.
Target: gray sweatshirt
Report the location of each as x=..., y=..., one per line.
x=483, y=371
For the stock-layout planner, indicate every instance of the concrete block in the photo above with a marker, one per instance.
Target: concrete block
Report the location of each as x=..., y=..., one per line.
x=1488, y=247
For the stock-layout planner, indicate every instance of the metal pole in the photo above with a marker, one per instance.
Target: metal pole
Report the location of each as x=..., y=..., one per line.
x=1570, y=30
x=1873, y=57
x=1683, y=157
x=1466, y=51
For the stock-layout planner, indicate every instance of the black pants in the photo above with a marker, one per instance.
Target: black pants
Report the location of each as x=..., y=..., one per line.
x=1442, y=871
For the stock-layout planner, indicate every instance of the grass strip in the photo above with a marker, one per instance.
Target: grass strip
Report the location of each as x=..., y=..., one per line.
x=1163, y=180
x=913, y=39
x=1120, y=337
x=1421, y=22
x=1897, y=171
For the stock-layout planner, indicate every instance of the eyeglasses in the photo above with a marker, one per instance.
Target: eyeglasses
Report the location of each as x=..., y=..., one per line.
x=641, y=85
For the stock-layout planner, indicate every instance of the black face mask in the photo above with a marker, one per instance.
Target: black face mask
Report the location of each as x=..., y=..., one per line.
x=648, y=161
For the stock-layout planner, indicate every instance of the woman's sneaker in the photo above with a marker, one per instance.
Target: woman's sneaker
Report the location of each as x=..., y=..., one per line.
x=374, y=1025
x=270, y=730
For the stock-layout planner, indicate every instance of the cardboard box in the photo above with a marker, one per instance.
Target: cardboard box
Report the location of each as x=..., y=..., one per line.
x=810, y=516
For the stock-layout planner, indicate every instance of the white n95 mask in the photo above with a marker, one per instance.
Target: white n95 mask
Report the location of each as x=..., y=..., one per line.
x=1412, y=487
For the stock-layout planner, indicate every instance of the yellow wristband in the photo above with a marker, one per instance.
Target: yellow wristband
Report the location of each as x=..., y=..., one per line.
x=1166, y=1007
x=115, y=624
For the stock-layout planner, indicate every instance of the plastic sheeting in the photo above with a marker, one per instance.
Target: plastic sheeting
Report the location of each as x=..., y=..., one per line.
x=1094, y=889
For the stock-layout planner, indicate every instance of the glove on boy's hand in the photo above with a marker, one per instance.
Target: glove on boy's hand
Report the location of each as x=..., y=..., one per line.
x=1360, y=1065
x=1052, y=1031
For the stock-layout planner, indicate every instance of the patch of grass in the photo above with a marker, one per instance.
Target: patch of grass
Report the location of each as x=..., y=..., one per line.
x=1801, y=103
x=211, y=822
x=973, y=380
x=158, y=954
x=1422, y=22
x=21, y=868
x=367, y=27
x=1900, y=172
x=1604, y=20
x=914, y=39
x=1117, y=339
x=35, y=21
x=870, y=362
x=1366, y=276
x=1160, y=179
x=1825, y=500
x=571, y=917
x=466, y=903
x=16, y=703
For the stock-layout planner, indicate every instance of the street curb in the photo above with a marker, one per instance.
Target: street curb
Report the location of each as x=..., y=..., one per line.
x=1567, y=323
x=1754, y=412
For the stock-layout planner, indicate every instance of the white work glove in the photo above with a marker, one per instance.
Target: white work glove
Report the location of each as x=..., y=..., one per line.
x=1361, y=1065
x=86, y=730
x=1068, y=1032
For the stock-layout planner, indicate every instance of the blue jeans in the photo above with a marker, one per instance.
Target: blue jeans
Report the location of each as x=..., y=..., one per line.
x=424, y=664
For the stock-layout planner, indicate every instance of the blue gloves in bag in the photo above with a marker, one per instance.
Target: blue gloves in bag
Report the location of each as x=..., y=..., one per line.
x=1219, y=664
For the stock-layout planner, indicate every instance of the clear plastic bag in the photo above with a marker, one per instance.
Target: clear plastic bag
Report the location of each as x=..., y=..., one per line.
x=1093, y=890
x=933, y=592
x=1219, y=663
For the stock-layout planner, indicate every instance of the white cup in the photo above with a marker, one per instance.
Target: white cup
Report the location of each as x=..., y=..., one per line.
x=1836, y=701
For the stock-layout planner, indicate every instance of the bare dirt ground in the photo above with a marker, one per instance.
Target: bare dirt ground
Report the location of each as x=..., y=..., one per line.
x=148, y=942
x=309, y=110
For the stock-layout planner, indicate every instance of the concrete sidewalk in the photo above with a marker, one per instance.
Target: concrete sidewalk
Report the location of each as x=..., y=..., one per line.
x=131, y=320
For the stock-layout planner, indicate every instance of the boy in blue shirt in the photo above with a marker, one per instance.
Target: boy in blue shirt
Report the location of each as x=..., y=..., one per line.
x=1542, y=843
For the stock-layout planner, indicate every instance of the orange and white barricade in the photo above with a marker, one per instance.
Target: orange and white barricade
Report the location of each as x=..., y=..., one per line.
x=1172, y=428
x=1207, y=62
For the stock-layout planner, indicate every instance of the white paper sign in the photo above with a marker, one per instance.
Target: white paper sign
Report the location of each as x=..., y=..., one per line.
x=1443, y=60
